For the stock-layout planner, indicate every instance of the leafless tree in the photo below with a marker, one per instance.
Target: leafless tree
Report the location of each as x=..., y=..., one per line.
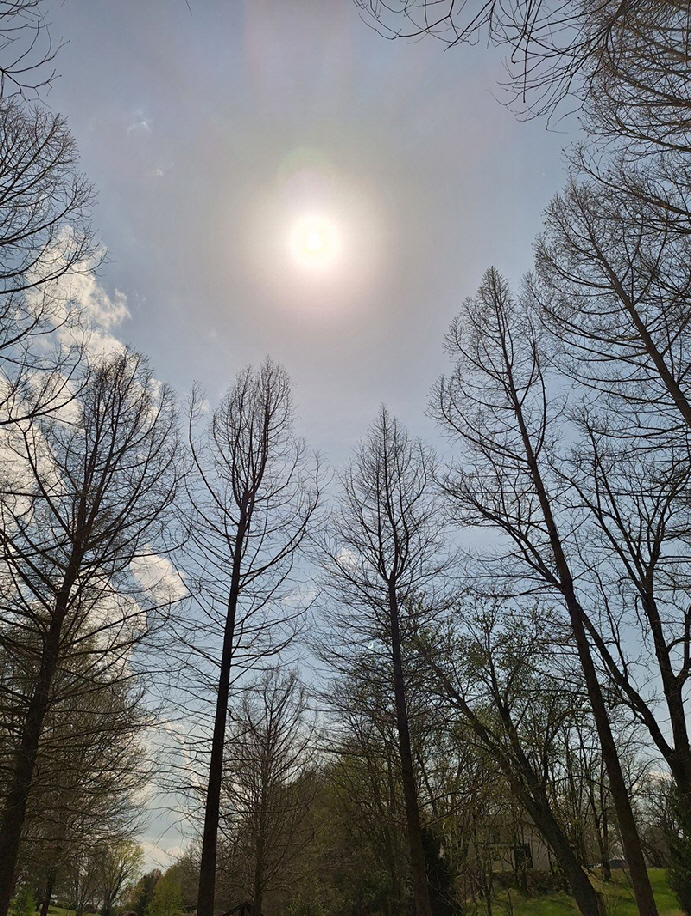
x=253, y=497
x=615, y=289
x=640, y=93
x=45, y=234
x=629, y=63
x=635, y=540
x=27, y=52
x=44, y=199
x=500, y=667
x=266, y=793
x=614, y=286
x=83, y=503
x=385, y=550
x=496, y=404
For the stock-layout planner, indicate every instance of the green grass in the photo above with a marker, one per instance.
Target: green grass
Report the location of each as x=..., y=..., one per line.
x=618, y=899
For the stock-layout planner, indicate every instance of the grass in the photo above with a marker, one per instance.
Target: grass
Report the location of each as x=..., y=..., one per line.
x=618, y=898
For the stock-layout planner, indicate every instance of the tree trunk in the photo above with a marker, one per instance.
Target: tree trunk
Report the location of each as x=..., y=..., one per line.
x=14, y=813
x=631, y=841
x=207, y=868
x=412, y=810
x=50, y=882
x=258, y=884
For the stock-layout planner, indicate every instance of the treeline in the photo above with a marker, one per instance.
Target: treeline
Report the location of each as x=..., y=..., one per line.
x=505, y=634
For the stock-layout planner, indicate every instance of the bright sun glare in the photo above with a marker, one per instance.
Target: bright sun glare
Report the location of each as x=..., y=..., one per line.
x=314, y=242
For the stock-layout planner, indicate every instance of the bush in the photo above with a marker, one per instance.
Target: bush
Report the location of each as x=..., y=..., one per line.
x=24, y=903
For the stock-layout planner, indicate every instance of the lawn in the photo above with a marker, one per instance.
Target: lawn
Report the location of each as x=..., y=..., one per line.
x=618, y=898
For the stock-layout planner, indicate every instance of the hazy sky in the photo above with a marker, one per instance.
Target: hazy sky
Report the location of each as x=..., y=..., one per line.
x=211, y=131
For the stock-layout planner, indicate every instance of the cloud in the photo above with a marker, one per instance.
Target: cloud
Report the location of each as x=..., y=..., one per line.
x=81, y=310
x=140, y=122
x=156, y=856
x=159, y=577
x=101, y=314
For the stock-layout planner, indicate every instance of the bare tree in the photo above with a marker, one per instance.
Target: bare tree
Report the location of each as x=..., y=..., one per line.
x=640, y=95
x=500, y=669
x=44, y=199
x=615, y=289
x=496, y=404
x=265, y=799
x=627, y=63
x=635, y=538
x=83, y=505
x=27, y=52
x=385, y=550
x=614, y=285
x=45, y=234
x=253, y=498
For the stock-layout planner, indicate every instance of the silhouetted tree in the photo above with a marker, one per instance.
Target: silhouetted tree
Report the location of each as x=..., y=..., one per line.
x=83, y=502
x=253, y=498
x=385, y=549
x=496, y=404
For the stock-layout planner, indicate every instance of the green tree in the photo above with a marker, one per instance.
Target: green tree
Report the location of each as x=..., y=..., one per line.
x=167, y=896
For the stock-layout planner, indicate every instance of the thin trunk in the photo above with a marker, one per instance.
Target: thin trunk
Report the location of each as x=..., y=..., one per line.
x=529, y=790
x=259, y=852
x=412, y=810
x=629, y=833
x=258, y=884
x=606, y=870
x=207, y=868
x=48, y=894
x=14, y=812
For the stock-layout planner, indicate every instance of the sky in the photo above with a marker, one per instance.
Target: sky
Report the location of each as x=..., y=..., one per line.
x=214, y=129
x=211, y=129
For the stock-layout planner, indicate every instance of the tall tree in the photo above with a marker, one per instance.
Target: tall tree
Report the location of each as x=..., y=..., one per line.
x=253, y=497
x=496, y=404
x=83, y=504
x=265, y=794
x=385, y=550
x=614, y=288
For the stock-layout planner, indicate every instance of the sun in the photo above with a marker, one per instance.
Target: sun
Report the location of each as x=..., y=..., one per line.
x=314, y=242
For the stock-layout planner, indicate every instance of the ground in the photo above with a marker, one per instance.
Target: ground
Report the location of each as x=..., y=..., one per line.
x=618, y=897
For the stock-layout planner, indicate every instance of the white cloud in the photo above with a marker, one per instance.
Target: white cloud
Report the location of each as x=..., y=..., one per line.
x=162, y=857
x=80, y=308
x=159, y=577
x=140, y=122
